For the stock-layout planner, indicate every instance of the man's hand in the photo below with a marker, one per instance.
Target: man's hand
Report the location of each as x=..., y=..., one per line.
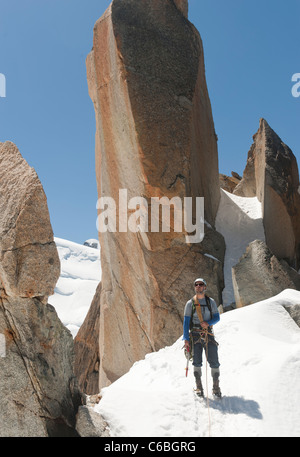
x=187, y=345
x=204, y=324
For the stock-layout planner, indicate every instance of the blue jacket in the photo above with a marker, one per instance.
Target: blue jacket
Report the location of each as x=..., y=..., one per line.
x=211, y=320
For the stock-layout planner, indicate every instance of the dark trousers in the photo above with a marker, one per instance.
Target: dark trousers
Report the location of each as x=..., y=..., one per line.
x=211, y=351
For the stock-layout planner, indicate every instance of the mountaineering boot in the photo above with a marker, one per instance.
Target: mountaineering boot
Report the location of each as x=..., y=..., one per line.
x=215, y=372
x=199, y=388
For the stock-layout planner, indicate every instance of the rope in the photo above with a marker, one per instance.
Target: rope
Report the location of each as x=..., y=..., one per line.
x=203, y=335
x=206, y=380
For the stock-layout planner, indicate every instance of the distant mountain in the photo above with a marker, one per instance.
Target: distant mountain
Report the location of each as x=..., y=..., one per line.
x=79, y=277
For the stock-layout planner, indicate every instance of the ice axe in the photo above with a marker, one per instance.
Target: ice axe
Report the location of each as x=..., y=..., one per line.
x=187, y=350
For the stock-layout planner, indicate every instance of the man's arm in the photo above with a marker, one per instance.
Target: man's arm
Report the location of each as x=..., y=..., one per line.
x=186, y=328
x=216, y=315
x=215, y=319
x=187, y=320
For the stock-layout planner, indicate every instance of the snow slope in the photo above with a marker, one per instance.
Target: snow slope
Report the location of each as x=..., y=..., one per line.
x=259, y=349
x=79, y=277
x=239, y=219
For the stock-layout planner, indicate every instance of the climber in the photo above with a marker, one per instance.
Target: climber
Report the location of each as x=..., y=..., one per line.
x=200, y=314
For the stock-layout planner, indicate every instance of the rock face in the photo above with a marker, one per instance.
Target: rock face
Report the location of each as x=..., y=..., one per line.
x=90, y=424
x=27, y=248
x=38, y=393
x=183, y=6
x=272, y=175
x=229, y=183
x=260, y=275
x=155, y=137
x=87, y=358
x=92, y=243
x=294, y=312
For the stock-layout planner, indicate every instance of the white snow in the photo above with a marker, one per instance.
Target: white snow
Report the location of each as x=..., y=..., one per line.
x=239, y=220
x=259, y=350
x=75, y=289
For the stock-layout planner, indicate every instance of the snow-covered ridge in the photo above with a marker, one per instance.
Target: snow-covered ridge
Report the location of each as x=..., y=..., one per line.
x=259, y=348
x=75, y=289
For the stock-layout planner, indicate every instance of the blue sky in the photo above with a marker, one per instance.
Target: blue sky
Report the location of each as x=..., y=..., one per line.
x=251, y=52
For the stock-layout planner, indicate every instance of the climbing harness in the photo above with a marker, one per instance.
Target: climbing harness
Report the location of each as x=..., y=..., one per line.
x=196, y=306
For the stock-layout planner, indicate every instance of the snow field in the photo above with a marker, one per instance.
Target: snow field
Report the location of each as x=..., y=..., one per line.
x=76, y=286
x=259, y=349
x=239, y=220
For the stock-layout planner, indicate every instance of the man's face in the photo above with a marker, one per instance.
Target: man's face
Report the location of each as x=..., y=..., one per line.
x=199, y=287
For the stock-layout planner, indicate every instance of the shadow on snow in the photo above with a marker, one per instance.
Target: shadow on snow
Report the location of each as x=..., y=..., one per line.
x=237, y=405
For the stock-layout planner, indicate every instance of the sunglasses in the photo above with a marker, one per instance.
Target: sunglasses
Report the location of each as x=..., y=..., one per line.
x=199, y=284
